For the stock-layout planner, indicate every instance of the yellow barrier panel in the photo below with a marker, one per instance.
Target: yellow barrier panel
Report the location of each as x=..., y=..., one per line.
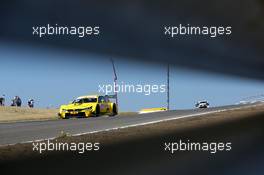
x=151, y=110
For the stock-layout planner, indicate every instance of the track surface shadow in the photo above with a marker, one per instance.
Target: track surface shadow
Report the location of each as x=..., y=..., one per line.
x=147, y=155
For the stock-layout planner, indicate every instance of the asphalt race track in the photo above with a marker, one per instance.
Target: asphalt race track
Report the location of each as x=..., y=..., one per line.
x=144, y=153
x=20, y=132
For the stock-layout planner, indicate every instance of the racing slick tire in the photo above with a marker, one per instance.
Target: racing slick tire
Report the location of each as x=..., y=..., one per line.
x=97, y=111
x=114, y=111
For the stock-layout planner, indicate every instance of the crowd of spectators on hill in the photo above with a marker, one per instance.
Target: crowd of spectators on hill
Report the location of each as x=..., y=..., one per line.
x=16, y=101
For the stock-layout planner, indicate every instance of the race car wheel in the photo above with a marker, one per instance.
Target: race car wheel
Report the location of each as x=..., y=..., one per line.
x=114, y=110
x=97, y=111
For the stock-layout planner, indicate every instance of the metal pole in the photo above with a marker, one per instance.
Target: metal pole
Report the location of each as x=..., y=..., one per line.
x=115, y=81
x=168, y=87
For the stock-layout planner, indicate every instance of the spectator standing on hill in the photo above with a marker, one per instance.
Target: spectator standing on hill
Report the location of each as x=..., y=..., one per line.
x=13, y=102
x=16, y=101
x=31, y=103
x=2, y=100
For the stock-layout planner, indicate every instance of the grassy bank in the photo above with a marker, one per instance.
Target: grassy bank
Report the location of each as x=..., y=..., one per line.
x=13, y=114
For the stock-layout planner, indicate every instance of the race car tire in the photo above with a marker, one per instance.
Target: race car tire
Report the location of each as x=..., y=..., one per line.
x=97, y=111
x=114, y=110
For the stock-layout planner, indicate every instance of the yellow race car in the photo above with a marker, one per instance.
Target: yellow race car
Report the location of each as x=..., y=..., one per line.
x=87, y=106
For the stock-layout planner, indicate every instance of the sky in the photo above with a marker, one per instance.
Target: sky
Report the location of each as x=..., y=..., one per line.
x=55, y=77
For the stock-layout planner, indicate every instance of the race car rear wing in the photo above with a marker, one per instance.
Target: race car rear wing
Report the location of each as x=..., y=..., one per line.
x=111, y=96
